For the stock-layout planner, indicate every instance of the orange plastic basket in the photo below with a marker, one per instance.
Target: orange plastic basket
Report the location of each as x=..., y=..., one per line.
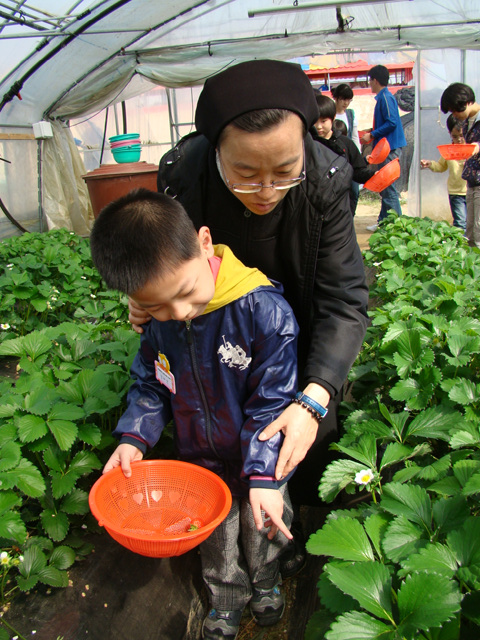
x=456, y=151
x=380, y=152
x=384, y=177
x=144, y=512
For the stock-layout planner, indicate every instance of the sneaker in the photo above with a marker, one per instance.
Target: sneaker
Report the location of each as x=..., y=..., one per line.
x=294, y=557
x=221, y=625
x=267, y=605
x=372, y=227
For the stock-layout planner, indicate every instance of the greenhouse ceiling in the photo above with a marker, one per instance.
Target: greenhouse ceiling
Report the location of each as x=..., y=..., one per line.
x=59, y=60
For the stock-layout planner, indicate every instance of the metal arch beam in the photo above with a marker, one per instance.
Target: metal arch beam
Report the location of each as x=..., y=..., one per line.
x=23, y=21
x=17, y=86
x=124, y=53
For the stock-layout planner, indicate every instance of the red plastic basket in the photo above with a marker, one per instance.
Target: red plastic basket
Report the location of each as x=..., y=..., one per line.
x=380, y=152
x=384, y=177
x=456, y=151
x=159, y=495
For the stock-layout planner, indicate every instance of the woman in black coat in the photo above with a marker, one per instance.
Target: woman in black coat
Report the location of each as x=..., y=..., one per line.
x=255, y=176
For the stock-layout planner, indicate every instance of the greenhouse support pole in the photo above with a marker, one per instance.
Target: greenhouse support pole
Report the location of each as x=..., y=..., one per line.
x=124, y=117
x=104, y=136
x=115, y=113
x=39, y=183
x=172, y=115
x=417, y=128
x=463, y=65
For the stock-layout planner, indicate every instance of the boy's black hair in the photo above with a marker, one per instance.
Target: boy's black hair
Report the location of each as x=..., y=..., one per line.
x=343, y=90
x=341, y=127
x=139, y=237
x=456, y=97
x=380, y=74
x=453, y=123
x=326, y=106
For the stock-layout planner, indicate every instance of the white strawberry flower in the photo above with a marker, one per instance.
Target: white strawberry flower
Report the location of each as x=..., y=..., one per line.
x=363, y=477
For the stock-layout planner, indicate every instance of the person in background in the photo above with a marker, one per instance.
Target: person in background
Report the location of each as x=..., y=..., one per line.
x=459, y=99
x=386, y=124
x=220, y=358
x=253, y=173
x=328, y=135
x=343, y=96
x=340, y=127
x=456, y=185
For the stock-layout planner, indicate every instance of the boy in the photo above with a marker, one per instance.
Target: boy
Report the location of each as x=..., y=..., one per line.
x=342, y=145
x=459, y=99
x=386, y=124
x=220, y=358
x=457, y=187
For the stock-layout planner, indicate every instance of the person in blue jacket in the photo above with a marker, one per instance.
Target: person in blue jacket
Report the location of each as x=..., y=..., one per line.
x=219, y=357
x=386, y=124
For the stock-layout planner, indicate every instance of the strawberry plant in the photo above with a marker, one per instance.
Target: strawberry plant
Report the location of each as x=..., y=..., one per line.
x=405, y=563
x=73, y=347
x=48, y=278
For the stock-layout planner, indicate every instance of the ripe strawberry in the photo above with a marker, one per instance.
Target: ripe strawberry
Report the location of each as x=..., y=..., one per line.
x=181, y=526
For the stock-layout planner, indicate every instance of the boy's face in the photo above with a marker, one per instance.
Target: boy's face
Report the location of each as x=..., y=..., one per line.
x=375, y=86
x=463, y=115
x=457, y=136
x=183, y=293
x=324, y=127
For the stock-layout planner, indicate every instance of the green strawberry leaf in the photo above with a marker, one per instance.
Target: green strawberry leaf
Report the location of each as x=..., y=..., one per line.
x=342, y=538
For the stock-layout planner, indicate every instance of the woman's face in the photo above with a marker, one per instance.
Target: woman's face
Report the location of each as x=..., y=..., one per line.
x=263, y=157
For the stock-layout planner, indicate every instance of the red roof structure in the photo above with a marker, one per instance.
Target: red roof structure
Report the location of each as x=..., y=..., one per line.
x=356, y=75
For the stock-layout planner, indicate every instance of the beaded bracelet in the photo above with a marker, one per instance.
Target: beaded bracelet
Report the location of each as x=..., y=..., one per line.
x=316, y=409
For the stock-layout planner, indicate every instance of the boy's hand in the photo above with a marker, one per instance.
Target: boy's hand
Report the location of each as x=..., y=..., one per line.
x=425, y=164
x=137, y=316
x=477, y=149
x=123, y=455
x=270, y=501
x=367, y=137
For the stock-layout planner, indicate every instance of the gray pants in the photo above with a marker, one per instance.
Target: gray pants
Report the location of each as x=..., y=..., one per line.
x=236, y=556
x=473, y=216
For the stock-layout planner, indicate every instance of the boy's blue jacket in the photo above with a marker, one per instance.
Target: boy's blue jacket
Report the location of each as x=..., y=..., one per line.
x=235, y=371
x=386, y=119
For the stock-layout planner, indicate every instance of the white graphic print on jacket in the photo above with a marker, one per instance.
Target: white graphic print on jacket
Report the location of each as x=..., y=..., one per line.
x=233, y=356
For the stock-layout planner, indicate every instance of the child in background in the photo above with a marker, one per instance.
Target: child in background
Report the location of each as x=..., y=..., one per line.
x=457, y=187
x=219, y=357
x=343, y=96
x=340, y=127
x=459, y=99
x=342, y=145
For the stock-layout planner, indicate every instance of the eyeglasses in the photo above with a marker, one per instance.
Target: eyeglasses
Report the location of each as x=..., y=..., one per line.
x=278, y=185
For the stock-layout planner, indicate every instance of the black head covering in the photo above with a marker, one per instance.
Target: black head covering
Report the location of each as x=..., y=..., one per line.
x=256, y=84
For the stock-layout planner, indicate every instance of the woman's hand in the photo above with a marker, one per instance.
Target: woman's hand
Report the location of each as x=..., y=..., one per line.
x=137, y=316
x=300, y=430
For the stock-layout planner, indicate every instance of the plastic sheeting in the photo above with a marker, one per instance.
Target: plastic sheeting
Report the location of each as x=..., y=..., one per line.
x=66, y=202
x=19, y=185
